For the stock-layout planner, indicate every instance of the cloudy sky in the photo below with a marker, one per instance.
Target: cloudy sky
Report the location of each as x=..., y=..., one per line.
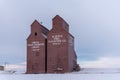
x=94, y=23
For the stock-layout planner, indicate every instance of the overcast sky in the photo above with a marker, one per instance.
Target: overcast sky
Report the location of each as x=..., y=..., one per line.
x=94, y=23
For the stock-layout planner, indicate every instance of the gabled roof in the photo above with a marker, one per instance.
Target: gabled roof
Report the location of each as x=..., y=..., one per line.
x=35, y=22
x=60, y=18
x=43, y=29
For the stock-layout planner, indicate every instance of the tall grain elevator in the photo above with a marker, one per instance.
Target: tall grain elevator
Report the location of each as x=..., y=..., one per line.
x=36, y=49
x=60, y=47
x=51, y=51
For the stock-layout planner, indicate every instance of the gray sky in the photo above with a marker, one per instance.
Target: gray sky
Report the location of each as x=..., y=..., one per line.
x=94, y=23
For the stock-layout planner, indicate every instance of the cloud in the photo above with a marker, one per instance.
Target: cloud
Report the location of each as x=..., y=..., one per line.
x=94, y=24
x=102, y=62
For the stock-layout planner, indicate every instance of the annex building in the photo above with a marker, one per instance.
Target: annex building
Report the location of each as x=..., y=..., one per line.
x=51, y=51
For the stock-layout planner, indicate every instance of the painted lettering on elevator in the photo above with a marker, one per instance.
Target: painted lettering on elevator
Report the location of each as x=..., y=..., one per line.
x=57, y=39
x=35, y=45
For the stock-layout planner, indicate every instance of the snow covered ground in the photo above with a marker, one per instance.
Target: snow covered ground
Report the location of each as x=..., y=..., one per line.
x=84, y=74
x=61, y=77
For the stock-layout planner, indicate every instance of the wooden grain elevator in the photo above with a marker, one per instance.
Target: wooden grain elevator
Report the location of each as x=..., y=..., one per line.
x=51, y=51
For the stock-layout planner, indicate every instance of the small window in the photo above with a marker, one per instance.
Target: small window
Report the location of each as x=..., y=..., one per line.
x=35, y=33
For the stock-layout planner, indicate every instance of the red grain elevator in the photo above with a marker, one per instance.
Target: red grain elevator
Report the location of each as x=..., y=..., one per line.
x=60, y=48
x=36, y=49
x=51, y=51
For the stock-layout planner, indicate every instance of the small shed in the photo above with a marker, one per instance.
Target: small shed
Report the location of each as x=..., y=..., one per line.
x=1, y=68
